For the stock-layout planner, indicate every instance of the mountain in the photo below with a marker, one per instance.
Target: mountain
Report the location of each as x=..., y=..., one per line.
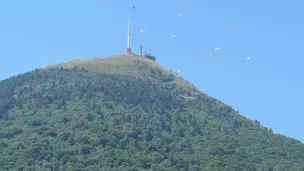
x=129, y=113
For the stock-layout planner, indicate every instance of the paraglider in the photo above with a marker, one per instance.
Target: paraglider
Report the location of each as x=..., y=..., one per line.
x=248, y=58
x=133, y=7
x=216, y=49
x=142, y=31
x=180, y=15
x=173, y=36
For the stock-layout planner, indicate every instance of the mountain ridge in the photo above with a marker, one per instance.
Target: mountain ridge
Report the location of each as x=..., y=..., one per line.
x=129, y=113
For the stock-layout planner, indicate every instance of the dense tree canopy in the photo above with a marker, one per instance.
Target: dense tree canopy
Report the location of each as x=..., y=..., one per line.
x=73, y=119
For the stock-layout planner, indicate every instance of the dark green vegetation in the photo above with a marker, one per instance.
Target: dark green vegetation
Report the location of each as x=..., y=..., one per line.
x=146, y=118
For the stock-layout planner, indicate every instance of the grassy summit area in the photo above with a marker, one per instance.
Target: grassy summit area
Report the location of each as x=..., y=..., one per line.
x=129, y=113
x=130, y=65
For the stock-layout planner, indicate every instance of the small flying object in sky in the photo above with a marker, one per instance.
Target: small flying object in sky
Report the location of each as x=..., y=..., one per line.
x=173, y=36
x=204, y=49
x=133, y=7
x=142, y=31
x=248, y=58
x=178, y=71
x=180, y=15
x=216, y=49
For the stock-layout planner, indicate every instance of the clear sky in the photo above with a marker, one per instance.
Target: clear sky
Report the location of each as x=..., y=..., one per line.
x=268, y=87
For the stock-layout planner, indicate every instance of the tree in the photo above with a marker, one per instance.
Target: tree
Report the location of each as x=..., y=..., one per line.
x=70, y=167
x=269, y=168
x=235, y=124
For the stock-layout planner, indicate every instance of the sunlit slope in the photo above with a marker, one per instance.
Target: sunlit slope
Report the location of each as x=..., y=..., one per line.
x=131, y=65
x=129, y=113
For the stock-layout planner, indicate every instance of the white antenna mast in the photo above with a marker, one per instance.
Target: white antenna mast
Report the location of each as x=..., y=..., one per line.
x=129, y=50
x=129, y=33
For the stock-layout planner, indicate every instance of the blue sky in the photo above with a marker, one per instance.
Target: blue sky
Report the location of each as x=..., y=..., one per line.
x=269, y=87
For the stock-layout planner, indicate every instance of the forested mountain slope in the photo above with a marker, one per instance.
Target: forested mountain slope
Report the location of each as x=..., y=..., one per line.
x=129, y=113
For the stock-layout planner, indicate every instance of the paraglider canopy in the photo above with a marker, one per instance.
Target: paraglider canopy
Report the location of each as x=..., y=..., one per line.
x=180, y=15
x=216, y=49
x=133, y=7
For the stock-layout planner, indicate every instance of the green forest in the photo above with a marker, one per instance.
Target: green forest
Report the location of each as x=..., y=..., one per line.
x=78, y=120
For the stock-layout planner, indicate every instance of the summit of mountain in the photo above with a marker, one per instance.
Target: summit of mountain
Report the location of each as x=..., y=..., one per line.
x=127, y=112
